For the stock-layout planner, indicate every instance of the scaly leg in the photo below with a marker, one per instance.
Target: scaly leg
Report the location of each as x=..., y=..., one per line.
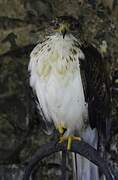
x=69, y=138
x=61, y=128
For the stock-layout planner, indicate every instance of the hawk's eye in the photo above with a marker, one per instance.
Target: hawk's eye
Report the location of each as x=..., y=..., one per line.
x=55, y=24
x=74, y=26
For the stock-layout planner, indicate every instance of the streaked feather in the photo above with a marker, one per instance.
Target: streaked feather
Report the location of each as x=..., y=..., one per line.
x=55, y=73
x=98, y=90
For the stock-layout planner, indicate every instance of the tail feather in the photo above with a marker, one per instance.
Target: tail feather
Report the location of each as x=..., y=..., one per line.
x=83, y=169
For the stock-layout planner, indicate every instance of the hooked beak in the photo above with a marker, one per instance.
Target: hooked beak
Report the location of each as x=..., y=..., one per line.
x=64, y=28
x=64, y=31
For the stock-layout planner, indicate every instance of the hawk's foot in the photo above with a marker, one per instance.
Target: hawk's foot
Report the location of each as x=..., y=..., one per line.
x=69, y=138
x=61, y=128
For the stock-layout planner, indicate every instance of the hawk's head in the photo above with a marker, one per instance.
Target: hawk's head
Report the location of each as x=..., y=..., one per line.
x=65, y=24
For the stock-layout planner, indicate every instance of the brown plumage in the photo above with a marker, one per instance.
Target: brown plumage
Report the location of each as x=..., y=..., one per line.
x=97, y=89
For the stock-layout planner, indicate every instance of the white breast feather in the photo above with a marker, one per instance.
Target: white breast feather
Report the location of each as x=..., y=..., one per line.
x=55, y=77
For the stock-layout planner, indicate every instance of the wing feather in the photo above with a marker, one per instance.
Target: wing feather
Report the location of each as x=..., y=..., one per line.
x=97, y=90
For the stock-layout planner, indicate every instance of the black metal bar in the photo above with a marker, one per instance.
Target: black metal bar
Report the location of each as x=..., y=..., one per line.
x=80, y=147
x=63, y=165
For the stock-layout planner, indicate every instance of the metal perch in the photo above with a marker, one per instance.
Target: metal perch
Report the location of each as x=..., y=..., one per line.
x=80, y=147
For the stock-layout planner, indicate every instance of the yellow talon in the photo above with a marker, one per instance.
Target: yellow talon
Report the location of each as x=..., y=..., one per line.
x=69, y=142
x=69, y=138
x=77, y=138
x=63, y=138
x=61, y=128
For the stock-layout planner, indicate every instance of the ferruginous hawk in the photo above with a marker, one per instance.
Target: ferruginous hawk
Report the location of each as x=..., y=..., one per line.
x=70, y=81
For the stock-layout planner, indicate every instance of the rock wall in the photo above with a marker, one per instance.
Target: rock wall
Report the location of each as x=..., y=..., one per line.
x=22, y=24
